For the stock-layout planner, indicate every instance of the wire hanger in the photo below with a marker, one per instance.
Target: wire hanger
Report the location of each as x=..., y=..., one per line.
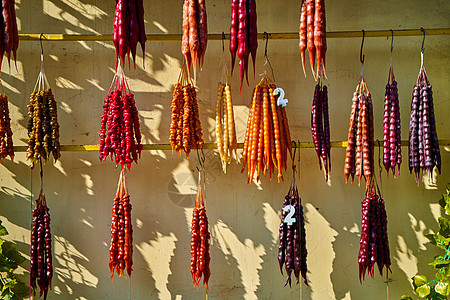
x=201, y=160
x=267, y=62
x=361, y=56
x=42, y=78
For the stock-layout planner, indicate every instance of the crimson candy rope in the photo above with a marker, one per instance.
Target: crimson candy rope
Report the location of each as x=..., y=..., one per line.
x=129, y=29
x=120, y=134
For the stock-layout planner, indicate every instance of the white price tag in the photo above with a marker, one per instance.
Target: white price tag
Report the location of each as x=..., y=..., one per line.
x=289, y=220
x=281, y=101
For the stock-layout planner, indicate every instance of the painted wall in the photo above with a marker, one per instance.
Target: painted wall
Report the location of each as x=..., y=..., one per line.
x=243, y=218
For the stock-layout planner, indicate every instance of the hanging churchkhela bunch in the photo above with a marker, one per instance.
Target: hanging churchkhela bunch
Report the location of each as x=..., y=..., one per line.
x=8, y=27
x=129, y=29
x=267, y=138
x=43, y=127
x=120, y=134
x=121, y=247
x=195, y=34
x=6, y=142
x=243, y=35
x=41, y=269
x=374, y=243
x=225, y=127
x=200, y=258
x=185, y=128
x=360, y=149
x=392, y=141
x=312, y=34
x=292, y=252
x=423, y=146
x=320, y=126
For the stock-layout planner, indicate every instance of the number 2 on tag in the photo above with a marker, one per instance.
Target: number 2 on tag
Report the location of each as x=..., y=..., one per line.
x=281, y=101
x=289, y=220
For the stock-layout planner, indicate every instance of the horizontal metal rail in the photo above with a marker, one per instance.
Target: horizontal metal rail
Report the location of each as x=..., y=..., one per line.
x=336, y=144
x=218, y=36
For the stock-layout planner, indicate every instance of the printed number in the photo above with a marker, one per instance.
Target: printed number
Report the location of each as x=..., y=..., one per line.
x=289, y=219
x=281, y=100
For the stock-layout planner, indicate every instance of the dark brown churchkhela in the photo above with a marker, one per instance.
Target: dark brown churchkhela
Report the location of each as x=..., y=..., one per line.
x=43, y=127
x=320, y=126
x=423, y=147
x=41, y=269
x=292, y=251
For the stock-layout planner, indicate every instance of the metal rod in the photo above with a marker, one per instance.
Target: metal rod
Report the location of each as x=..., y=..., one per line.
x=218, y=36
x=335, y=144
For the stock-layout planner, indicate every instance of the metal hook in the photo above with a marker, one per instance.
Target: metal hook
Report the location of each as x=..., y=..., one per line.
x=266, y=37
x=361, y=56
x=423, y=40
x=40, y=40
x=201, y=160
x=223, y=41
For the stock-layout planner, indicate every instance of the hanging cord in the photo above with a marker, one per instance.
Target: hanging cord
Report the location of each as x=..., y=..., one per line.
x=267, y=62
x=361, y=56
x=422, y=49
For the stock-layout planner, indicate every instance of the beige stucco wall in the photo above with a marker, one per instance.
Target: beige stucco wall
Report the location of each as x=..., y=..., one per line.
x=243, y=218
